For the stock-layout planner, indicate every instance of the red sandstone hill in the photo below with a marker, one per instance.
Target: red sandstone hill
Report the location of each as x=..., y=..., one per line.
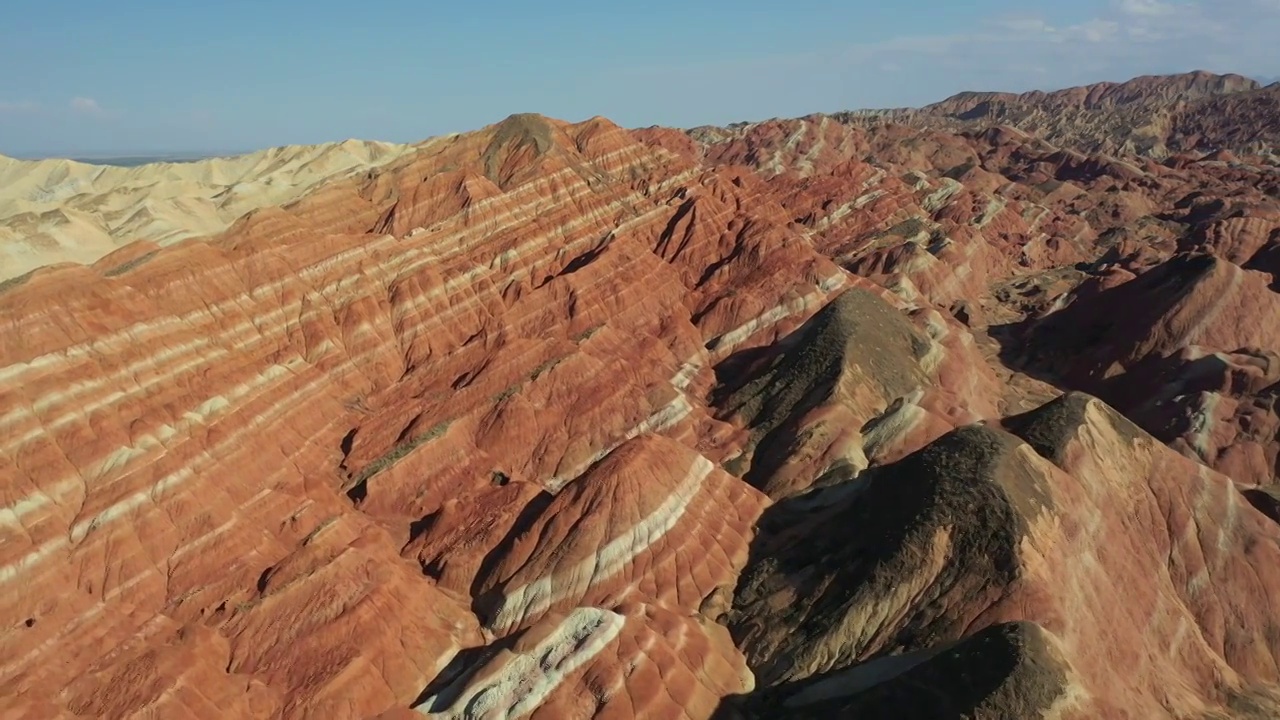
x=1145, y=90
x=802, y=418
x=1155, y=116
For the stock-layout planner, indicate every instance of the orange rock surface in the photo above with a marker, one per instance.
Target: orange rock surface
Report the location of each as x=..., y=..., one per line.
x=561, y=420
x=984, y=527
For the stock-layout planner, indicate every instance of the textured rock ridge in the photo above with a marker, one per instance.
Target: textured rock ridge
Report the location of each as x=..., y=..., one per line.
x=899, y=572
x=1156, y=116
x=637, y=661
x=561, y=420
x=860, y=383
x=54, y=211
x=185, y=439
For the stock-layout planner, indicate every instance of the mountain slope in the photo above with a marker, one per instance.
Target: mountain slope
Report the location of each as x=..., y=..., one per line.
x=54, y=211
x=1155, y=116
x=561, y=420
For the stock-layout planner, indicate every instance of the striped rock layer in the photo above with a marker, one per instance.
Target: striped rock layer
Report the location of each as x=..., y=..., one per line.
x=298, y=462
x=1015, y=555
x=562, y=420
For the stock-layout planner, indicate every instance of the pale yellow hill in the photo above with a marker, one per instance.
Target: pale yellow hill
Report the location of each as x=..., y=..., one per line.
x=54, y=211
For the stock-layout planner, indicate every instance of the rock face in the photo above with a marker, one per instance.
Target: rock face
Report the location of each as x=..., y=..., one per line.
x=1195, y=361
x=1036, y=246
x=314, y=449
x=1033, y=524
x=672, y=529
x=1156, y=116
x=858, y=384
x=637, y=661
x=54, y=211
x=562, y=420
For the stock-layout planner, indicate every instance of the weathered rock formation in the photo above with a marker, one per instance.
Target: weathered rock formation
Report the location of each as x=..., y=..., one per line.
x=1156, y=115
x=56, y=210
x=562, y=420
x=289, y=434
x=923, y=564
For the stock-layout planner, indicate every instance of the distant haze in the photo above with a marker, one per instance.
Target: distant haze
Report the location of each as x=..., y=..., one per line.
x=139, y=159
x=152, y=78
x=129, y=157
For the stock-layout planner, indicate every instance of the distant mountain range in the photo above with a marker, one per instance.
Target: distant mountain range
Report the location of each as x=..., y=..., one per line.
x=127, y=158
x=56, y=210
x=798, y=419
x=142, y=159
x=1154, y=116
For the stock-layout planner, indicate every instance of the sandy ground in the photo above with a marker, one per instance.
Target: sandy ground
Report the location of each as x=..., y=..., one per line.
x=54, y=211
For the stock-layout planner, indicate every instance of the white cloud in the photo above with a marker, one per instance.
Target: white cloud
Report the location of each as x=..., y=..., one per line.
x=1144, y=20
x=1127, y=38
x=1093, y=31
x=86, y=106
x=1146, y=8
x=1240, y=31
x=20, y=106
x=1024, y=25
x=1018, y=29
x=1120, y=40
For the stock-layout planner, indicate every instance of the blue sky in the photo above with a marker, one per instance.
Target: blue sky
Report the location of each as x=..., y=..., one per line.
x=90, y=76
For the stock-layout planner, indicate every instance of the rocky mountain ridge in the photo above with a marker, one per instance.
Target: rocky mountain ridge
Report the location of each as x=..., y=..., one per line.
x=802, y=418
x=57, y=210
x=1153, y=116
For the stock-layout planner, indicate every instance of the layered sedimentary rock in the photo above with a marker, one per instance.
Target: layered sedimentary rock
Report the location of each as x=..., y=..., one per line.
x=653, y=521
x=566, y=421
x=1004, y=230
x=923, y=563
x=261, y=434
x=55, y=210
x=1156, y=116
x=1196, y=360
x=859, y=384
x=632, y=661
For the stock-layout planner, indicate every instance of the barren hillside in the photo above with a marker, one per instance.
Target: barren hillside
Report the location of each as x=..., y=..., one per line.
x=808, y=418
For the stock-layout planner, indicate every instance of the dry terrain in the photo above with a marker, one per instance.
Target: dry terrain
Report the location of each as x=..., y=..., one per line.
x=54, y=211
x=811, y=418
